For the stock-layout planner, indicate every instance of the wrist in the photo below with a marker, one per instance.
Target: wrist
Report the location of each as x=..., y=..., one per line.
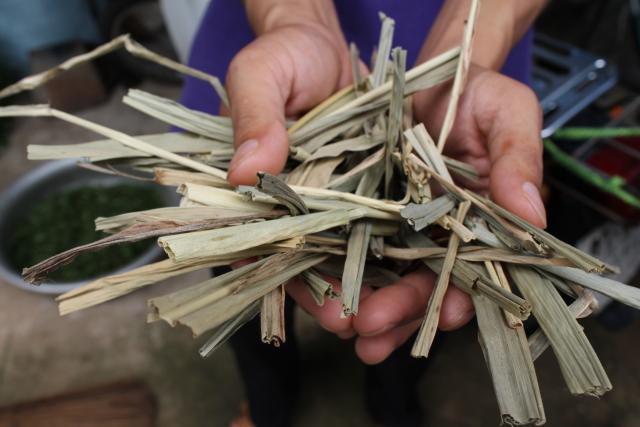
x=499, y=27
x=493, y=33
x=268, y=15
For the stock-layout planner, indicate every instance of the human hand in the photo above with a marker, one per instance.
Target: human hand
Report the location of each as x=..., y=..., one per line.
x=287, y=70
x=297, y=60
x=497, y=130
x=388, y=316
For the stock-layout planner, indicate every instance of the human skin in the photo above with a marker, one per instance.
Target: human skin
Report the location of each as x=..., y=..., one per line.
x=300, y=57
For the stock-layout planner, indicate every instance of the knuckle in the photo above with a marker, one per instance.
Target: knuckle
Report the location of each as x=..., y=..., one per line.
x=244, y=61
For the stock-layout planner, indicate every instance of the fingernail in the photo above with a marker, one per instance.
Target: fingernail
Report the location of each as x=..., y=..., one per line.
x=243, y=152
x=533, y=196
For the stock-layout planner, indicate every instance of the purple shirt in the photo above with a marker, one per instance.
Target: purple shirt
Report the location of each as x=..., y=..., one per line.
x=225, y=30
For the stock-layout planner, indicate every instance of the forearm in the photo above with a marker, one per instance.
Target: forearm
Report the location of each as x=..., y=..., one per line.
x=501, y=23
x=266, y=15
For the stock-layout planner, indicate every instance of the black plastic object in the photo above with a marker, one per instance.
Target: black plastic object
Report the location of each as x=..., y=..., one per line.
x=567, y=79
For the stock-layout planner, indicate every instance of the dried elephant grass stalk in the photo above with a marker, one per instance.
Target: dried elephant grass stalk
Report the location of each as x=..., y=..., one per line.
x=354, y=203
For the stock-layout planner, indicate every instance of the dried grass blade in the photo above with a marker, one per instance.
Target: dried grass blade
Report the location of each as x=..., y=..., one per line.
x=134, y=233
x=215, y=302
x=179, y=216
x=224, y=198
x=321, y=128
x=512, y=321
x=365, y=201
x=433, y=155
x=108, y=288
x=334, y=102
x=112, y=287
x=32, y=82
x=97, y=151
x=46, y=111
x=272, y=325
x=201, y=244
x=370, y=181
x=327, y=202
x=213, y=315
x=379, y=73
x=581, y=307
x=349, y=181
x=358, y=143
x=395, y=114
x=472, y=280
x=376, y=245
x=579, y=364
x=463, y=169
x=419, y=216
x=318, y=287
x=227, y=329
x=356, y=74
x=461, y=73
x=447, y=222
x=421, y=72
x=36, y=80
x=276, y=188
x=175, y=178
x=170, y=112
x=176, y=305
x=315, y=173
x=140, y=51
x=626, y=294
x=506, y=352
x=357, y=248
x=429, y=325
x=580, y=258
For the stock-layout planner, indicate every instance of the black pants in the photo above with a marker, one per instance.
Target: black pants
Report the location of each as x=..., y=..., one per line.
x=270, y=377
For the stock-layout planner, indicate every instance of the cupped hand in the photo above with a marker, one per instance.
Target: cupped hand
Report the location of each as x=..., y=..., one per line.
x=283, y=73
x=388, y=316
x=293, y=68
x=497, y=129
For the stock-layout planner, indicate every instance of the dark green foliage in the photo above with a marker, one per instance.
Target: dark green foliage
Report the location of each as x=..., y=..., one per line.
x=66, y=219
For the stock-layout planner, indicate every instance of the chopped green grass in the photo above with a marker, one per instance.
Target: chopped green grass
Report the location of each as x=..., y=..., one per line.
x=66, y=219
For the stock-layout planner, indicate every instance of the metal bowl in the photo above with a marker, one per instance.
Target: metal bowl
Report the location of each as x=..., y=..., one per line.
x=50, y=178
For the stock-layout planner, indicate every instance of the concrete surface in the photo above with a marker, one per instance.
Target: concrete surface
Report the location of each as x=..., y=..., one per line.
x=42, y=354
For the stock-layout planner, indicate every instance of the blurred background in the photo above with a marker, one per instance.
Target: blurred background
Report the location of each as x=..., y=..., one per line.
x=110, y=366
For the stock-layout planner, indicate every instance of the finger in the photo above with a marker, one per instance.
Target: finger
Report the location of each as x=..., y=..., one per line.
x=372, y=350
x=258, y=86
x=243, y=262
x=457, y=309
x=515, y=149
x=406, y=301
x=395, y=305
x=329, y=314
x=346, y=335
x=482, y=166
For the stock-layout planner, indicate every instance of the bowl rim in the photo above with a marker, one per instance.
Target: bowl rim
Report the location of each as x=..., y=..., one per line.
x=9, y=198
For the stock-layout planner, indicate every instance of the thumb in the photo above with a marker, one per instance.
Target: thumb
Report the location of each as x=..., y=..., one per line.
x=258, y=89
x=515, y=149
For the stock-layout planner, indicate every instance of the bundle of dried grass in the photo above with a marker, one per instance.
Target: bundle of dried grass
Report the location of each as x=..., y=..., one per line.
x=325, y=216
